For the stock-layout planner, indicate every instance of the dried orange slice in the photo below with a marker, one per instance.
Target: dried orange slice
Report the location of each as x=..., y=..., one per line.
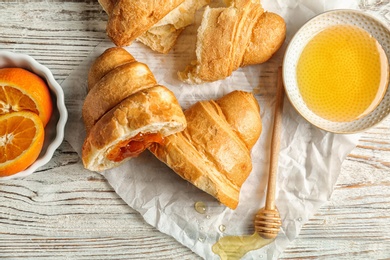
x=21, y=140
x=21, y=90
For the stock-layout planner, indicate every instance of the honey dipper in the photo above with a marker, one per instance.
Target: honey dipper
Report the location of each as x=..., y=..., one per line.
x=267, y=219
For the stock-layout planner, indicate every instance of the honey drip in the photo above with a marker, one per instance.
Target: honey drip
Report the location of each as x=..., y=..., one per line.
x=235, y=247
x=200, y=207
x=222, y=228
x=342, y=73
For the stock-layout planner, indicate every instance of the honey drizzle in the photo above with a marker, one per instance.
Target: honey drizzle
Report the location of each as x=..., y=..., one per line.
x=235, y=247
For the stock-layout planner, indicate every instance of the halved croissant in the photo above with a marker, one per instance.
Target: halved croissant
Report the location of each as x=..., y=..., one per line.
x=213, y=152
x=229, y=37
x=125, y=111
x=157, y=24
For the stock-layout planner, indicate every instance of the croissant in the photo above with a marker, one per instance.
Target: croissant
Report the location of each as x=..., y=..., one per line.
x=125, y=111
x=157, y=24
x=234, y=36
x=213, y=152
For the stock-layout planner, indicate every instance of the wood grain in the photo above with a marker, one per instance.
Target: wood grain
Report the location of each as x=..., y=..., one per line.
x=66, y=212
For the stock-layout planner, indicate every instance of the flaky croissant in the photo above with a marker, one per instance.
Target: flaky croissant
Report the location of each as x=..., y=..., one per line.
x=234, y=36
x=125, y=110
x=157, y=24
x=213, y=152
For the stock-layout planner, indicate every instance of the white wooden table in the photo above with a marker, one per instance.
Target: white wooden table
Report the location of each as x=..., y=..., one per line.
x=65, y=212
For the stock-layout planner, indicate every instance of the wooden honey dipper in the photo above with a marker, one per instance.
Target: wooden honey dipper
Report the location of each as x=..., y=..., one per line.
x=267, y=219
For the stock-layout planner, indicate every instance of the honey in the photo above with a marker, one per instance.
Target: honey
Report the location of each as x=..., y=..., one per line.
x=342, y=73
x=200, y=207
x=235, y=247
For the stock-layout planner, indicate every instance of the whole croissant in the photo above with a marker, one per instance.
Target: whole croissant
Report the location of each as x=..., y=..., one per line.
x=125, y=110
x=157, y=24
x=234, y=36
x=213, y=152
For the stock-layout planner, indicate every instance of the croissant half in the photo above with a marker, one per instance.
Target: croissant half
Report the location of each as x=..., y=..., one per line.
x=229, y=37
x=213, y=152
x=125, y=111
x=157, y=24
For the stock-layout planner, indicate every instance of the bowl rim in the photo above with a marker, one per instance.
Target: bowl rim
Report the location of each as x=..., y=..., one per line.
x=34, y=66
x=285, y=57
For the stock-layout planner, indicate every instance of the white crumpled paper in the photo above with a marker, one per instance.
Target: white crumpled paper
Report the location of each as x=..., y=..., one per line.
x=309, y=163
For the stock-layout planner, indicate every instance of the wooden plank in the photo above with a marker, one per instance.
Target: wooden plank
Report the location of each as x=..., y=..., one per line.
x=65, y=212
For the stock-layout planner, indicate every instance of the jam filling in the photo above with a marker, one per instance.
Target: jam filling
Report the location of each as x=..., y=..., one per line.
x=134, y=146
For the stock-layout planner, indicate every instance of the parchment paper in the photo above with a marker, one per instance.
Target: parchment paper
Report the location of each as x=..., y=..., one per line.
x=309, y=163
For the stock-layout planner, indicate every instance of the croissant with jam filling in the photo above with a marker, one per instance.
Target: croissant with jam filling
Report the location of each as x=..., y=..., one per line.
x=125, y=111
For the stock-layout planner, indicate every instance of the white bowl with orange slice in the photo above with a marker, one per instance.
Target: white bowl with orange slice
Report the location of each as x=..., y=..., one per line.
x=32, y=115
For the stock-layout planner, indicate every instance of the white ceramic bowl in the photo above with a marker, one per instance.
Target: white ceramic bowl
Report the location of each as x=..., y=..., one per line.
x=348, y=17
x=54, y=130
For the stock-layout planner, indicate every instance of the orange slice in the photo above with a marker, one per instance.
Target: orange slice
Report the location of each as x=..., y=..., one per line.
x=23, y=90
x=21, y=140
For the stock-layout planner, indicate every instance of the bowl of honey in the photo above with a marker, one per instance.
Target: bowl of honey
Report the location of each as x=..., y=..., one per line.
x=336, y=71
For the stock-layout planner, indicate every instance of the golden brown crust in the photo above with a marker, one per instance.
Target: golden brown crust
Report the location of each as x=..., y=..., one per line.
x=114, y=87
x=210, y=153
x=107, y=61
x=124, y=102
x=271, y=30
x=248, y=13
x=131, y=18
x=214, y=62
x=153, y=110
x=231, y=37
x=244, y=119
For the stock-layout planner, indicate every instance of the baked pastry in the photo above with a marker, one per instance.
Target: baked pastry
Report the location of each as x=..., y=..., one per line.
x=157, y=24
x=125, y=111
x=229, y=37
x=114, y=85
x=213, y=152
x=107, y=61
